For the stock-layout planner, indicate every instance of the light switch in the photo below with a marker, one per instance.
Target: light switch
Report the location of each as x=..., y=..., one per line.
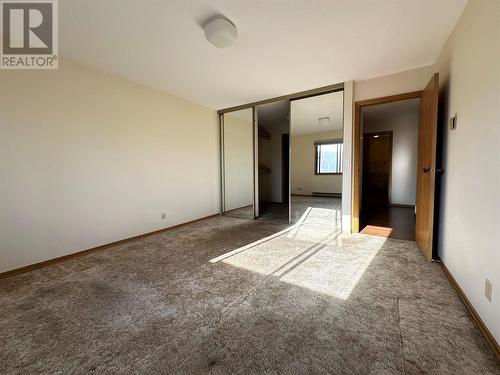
x=453, y=122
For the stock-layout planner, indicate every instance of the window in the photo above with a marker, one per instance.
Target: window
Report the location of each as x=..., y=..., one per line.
x=328, y=157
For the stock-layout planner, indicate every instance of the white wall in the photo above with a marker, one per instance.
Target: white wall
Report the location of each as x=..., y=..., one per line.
x=404, y=125
x=88, y=158
x=238, y=159
x=392, y=84
x=469, y=68
x=303, y=179
x=270, y=155
x=470, y=86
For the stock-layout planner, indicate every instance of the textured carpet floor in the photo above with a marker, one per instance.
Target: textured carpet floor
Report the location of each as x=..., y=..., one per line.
x=199, y=299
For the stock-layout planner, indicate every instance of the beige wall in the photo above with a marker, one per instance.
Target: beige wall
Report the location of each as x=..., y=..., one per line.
x=303, y=179
x=469, y=68
x=88, y=158
x=470, y=87
x=397, y=83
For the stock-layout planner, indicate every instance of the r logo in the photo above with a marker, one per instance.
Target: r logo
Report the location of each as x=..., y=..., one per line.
x=27, y=28
x=29, y=35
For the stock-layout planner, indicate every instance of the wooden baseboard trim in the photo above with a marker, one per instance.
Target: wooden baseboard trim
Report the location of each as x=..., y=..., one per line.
x=80, y=253
x=484, y=330
x=403, y=205
x=315, y=195
x=326, y=195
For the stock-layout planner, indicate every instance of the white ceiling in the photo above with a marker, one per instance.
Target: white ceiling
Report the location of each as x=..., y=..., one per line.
x=381, y=111
x=283, y=46
x=305, y=113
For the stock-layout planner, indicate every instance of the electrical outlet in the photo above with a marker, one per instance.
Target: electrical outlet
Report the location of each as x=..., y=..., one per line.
x=488, y=289
x=299, y=188
x=163, y=215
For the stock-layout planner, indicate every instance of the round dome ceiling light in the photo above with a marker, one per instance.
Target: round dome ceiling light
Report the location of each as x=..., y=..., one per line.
x=221, y=32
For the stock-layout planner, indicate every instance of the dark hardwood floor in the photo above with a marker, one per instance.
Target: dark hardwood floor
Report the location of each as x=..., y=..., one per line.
x=391, y=222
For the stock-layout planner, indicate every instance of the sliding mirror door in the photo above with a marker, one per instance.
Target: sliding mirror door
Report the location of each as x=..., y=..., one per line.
x=316, y=131
x=237, y=139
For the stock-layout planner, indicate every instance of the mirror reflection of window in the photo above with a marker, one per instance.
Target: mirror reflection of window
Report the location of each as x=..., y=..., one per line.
x=329, y=157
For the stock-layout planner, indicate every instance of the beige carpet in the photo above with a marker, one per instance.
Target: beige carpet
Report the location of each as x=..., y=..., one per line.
x=234, y=296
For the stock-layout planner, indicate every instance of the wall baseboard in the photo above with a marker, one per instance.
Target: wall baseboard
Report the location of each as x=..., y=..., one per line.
x=80, y=253
x=322, y=194
x=403, y=205
x=331, y=195
x=484, y=330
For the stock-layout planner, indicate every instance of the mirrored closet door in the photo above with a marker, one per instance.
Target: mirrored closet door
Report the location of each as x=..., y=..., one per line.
x=238, y=171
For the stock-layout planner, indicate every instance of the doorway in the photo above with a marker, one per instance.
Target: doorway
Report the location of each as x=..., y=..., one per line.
x=377, y=169
x=273, y=160
x=423, y=180
x=389, y=169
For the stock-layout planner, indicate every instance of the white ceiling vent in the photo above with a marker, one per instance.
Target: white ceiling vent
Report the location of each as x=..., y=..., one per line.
x=221, y=32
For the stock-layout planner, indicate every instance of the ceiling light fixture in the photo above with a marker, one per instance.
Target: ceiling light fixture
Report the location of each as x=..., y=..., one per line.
x=221, y=32
x=324, y=120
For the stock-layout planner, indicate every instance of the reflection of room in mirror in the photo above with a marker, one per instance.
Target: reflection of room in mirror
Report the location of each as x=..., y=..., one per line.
x=273, y=159
x=316, y=128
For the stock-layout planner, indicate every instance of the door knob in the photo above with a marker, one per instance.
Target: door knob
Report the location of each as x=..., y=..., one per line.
x=426, y=170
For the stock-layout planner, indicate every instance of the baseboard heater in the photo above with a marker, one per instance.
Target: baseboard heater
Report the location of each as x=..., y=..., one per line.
x=333, y=195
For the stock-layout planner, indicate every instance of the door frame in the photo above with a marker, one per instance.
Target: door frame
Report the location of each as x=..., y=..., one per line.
x=391, y=136
x=356, y=151
x=285, y=172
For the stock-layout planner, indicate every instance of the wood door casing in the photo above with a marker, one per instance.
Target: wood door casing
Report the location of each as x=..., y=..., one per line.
x=356, y=153
x=426, y=171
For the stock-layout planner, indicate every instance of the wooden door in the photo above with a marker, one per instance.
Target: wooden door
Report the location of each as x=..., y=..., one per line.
x=377, y=157
x=426, y=173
